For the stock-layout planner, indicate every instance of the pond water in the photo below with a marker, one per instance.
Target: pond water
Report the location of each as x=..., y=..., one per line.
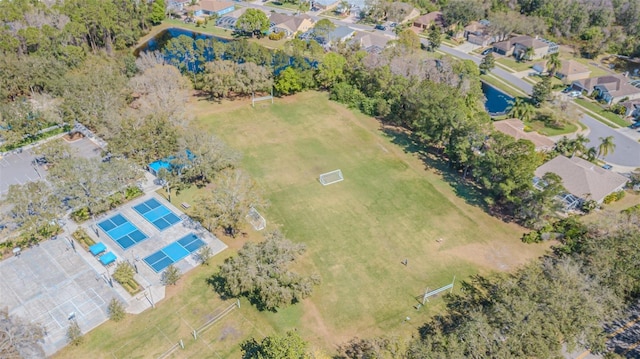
x=497, y=101
x=160, y=39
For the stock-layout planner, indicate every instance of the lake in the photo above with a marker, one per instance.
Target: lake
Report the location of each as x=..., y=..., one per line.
x=497, y=101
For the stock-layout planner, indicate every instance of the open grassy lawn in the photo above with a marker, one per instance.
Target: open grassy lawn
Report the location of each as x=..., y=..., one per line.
x=596, y=108
x=543, y=129
x=283, y=5
x=358, y=231
x=516, y=66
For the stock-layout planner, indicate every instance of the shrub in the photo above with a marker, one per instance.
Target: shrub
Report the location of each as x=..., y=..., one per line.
x=532, y=237
x=588, y=206
x=124, y=273
x=276, y=36
x=83, y=238
x=81, y=215
x=613, y=197
x=116, y=310
x=171, y=275
x=132, y=192
x=74, y=334
x=204, y=254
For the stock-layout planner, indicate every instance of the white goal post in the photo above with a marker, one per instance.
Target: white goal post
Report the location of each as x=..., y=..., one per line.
x=331, y=177
x=256, y=220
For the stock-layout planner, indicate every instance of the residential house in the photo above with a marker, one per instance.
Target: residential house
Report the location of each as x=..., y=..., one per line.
x=582, y=179
x=477, y=33
x=178, y=5
x=569, y=70
x=289, y=24
x=610, y=88
x=632, y=108
x=425, y=21
x=515, y=128
x=371, y=43
x=339, y=34
x=212, y=7
x=519, y=45
x=324, y=4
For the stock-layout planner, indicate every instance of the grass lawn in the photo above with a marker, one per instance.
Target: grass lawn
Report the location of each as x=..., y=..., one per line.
x=282, y=5
x=513, y=64
x=594, y=107
x=503, y=86
x=543, y=129
x=392, y=205
x=358, y=231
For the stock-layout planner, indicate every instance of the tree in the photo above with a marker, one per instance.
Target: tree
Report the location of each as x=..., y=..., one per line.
x=158, y=11
x=33, y=205
x=220, y=78
x=287, y=346
x=408, y=40
x=541, y=91
x=162, y=92
x=592, y=153
x=462, y=11
x=116, y=310
x=522, y=110
x=19, y=338
x=253, y=78
x=204, y=254
x=53, y=152
x=260, y=272
x=435, y=38
x=331, y=70
x=74, y=333
x=288, y=82
x=606, y=146
x=323, y=27
x=229, y=201
x=124, y=273
x=487, y=64
x=528, y=54
x=540, y=206
x=171, y=275
x=554, y=64
x=253, y=22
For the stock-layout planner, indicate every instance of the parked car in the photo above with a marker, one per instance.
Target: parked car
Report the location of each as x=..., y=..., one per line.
x=607, y=166
x=566, y=89
x=635, y=125
x=380, y=27
x=575, y=94
x=487, y=51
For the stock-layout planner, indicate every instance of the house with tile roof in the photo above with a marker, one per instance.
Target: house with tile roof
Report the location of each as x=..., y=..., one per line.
x=582, y=179
x=518, y=46
x=609, y=88
x=290, y=24
x=370, y=42
x=515, y=128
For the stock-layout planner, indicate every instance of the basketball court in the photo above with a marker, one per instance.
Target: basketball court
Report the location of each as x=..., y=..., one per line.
x=52, y=285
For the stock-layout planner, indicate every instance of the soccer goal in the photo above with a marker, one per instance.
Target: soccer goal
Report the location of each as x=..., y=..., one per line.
x=255, y=99
x=331, y=177
x=256, y=220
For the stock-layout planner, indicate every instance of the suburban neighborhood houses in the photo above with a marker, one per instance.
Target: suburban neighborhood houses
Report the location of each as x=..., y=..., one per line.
x=319, y=179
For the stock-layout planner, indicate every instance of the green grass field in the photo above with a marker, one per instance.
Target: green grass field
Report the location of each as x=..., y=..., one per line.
x=358, y=231
x=392, y=205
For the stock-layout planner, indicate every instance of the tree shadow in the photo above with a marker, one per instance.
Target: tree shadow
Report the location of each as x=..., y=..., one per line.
x=433, y=161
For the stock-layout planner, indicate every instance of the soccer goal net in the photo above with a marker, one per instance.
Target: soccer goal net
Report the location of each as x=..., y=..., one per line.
x=331, y=177
x=256, y=220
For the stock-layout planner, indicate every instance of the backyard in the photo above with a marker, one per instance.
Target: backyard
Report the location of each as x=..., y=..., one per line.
x=392, y=205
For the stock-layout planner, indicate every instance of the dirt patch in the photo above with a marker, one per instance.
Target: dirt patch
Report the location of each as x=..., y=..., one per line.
x=314, y=321
x=497, y=256
x=73, y=136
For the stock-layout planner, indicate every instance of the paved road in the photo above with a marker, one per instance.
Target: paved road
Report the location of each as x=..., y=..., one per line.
x=627, y=152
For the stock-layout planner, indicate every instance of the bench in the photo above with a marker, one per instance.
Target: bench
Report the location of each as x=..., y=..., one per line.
x=185, y=205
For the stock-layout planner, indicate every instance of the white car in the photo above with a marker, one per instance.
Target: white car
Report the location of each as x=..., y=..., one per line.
x=575, y=94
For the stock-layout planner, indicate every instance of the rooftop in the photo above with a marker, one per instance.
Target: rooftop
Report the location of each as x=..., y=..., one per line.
x=515, y=128
x=616, y=85
x=582, y=178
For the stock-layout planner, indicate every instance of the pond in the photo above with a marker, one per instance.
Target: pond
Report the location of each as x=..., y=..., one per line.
x=497, y=101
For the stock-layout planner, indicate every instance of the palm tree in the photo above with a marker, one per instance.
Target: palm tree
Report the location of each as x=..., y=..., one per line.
x=606, y=146
x=580, y=144
x=528, y=54
x=554, y=64
x=591, y=153
x=521, y=109
x=345, y=6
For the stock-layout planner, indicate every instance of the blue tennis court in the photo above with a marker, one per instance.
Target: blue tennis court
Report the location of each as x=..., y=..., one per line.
x=156, y=213
x=122, y=231
x=174, y=252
